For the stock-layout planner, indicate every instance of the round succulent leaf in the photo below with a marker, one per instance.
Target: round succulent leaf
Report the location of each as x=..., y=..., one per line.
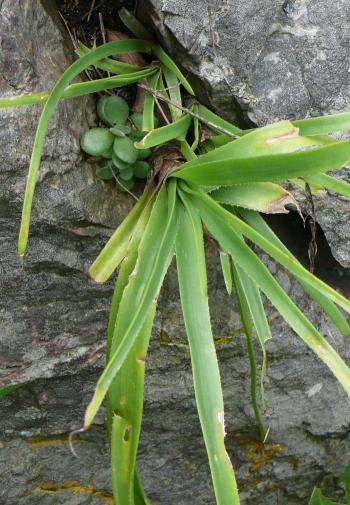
x=108, y=154
x=143, y=154
x=141, y=169
x=125, y=185
x=124, y=149
x=126, y=174
x=120, y=130
x=113, y=110
x=96, y=141
x=100, y=108
x=105, y=172
x=121, y=165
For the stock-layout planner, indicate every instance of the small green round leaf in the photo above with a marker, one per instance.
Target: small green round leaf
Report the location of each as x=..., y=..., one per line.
x=96, y=141
x=123, y=185
x=113, y=110
x=108, y=154
x=125, y=150
x=143, y=154
x=126, y=174
x=141, y=169
x=105, y=173
x=120, y=130
x=121, y=165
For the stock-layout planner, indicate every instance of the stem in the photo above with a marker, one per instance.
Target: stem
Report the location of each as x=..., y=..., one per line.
x=159, y=96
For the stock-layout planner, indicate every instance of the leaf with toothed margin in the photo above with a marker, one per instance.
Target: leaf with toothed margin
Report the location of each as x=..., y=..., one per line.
x=258, y=224
x=265, y=197
x=154, y=256
x=220, y=224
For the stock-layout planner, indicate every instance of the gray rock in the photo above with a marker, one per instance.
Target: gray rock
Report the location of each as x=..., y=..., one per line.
x=53, y=321
x=263, y=61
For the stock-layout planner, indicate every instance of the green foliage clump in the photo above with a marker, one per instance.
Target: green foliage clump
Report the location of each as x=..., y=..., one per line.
x=212, y=178
x=116, y=143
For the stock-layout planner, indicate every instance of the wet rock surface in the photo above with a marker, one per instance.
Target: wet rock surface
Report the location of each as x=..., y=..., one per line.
x=53, y=321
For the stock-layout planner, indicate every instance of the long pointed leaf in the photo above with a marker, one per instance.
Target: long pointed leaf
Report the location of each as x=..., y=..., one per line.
x=206, y=376
x=270, y=168
x=155, y=253
x=221, y=229
x=329, y=182
x=247, y=326
x=287, y=260
x=116, y=247
x=165, y=133
x=169, y=63
x=148, y=107
x=173, y=88
x=125, y=402
x=120, y=46
x=78, y=89
x=259, y=224
x=264, y=197
x=324, y=124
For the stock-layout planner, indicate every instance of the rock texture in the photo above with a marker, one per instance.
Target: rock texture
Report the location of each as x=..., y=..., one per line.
x=262, y=61
x=53, y=320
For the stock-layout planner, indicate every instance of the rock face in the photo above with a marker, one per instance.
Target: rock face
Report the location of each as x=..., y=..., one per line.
x=53, y=319
x=262, y=61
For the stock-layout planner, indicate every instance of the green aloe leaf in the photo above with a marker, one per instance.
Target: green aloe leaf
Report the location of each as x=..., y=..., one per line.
x=329, y=182
x=125, y=394
x=134, y=25
x=317, y=498
x=266, y=168
x=324, y=124
x=77, y=89
x=276, y=138
x=155, y=253
x=173, y=89
x=169, y=63
x=345, y=478
x=221, y=226
x=108, y=64
x=252, y=298
x=120, y=46
x=196, y=138
x=206, y=377
x=247, y=323
x=187, y=151
x=165, y=133
x=148, y=108
x=258, y=223
x=225, y=261
x=264, y=197
x=217, y=120
x=115, y=249
x=125, y=401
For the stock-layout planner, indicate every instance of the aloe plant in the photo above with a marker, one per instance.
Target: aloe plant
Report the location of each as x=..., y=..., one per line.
x=215, y=186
